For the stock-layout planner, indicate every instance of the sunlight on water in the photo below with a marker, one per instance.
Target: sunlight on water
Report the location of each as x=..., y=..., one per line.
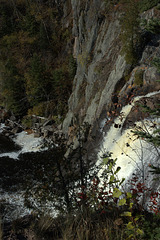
x=132, y=153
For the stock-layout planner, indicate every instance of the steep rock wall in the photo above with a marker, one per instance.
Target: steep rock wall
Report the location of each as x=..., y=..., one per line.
x=99, y=64
x=101, y=69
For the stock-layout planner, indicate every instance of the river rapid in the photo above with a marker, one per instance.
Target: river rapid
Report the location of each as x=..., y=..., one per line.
x=21, y=160
x=134, y=155
x=24, y=162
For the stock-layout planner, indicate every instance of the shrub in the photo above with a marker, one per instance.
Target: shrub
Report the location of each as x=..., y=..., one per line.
x=39, y=110
x=139, y=77
x=151, y=227
x=156, y=63
x=152, y=25
x=27, y=122
x=145, y=5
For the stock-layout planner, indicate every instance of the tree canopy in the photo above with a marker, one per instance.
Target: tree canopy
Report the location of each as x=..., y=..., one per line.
x=35, y=69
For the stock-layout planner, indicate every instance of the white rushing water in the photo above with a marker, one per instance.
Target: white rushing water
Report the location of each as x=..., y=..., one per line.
x=132, y=153
x=26, y=141
x=14, y=201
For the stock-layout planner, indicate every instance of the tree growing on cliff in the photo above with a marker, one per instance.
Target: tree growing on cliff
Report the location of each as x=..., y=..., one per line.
x=130, y=34
x=152, y=137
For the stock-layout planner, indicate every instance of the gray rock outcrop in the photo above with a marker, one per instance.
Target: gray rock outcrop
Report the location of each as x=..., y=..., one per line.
x=101, y=68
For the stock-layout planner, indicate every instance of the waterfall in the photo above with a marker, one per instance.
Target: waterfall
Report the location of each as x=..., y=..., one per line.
x=133, y=154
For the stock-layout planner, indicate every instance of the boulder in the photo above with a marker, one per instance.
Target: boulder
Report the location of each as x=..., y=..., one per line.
x=17, y=129
x=37, y=133
x=48, y=122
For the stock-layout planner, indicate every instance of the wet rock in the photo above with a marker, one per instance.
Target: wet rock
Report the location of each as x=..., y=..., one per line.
x=137, y=113
x=48, y=122
x=45, y=133
x=17, y=130
x=48, y=128
x=4, y=114
x=37, y=133
x=36, y=125
x=151, y=76
x=13, y=118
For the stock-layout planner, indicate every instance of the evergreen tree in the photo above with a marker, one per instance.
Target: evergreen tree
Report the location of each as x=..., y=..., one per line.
x=37, y=84
x=33, y=56
x=43, y=40
x=130, y=35
x=13, y=90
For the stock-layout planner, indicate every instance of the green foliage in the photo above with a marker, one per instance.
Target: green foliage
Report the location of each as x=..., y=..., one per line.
x=158, y=7
x=27, y=122
x=40, y=109
x=151, y=137
x=6, y=23
x=154, y=137
x=151, y=227
x=156, y=63
x=32, y=38
x=13, y=90
x=36, y=81
x=61, y=78
x=72, y=67
x=29, y=23
x=133, y=229
x=145, y=5
x=43, y=38
x=72, y=189
x=152, y=25
x=130, y=35
x=138, y=77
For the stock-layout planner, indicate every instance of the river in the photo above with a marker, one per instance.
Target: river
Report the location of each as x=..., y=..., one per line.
x=21, y=161
x=27, y=168
x=133, y=154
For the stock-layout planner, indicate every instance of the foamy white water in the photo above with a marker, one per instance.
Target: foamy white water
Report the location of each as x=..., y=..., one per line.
x=13, y=155
x=28, y=142
x=132, y=153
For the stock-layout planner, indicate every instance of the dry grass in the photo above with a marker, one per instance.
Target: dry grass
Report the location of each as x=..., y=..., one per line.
x=86, y=226
x=91, y=227
x=80, y=227
x=1, y=229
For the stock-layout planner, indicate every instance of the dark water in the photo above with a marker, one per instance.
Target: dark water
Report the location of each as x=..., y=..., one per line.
x=7, y=145
x=35, y=177
x=20, y=175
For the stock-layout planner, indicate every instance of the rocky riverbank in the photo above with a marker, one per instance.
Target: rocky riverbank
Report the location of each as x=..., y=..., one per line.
x=38, y=126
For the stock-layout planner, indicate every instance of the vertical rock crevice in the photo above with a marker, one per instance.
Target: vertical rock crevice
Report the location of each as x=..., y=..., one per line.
x=99, y=64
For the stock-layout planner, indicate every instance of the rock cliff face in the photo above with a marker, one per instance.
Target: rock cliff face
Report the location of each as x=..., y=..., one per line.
x=101, y=69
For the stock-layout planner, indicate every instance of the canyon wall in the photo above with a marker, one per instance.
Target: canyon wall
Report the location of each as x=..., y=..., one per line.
x=102, y=72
